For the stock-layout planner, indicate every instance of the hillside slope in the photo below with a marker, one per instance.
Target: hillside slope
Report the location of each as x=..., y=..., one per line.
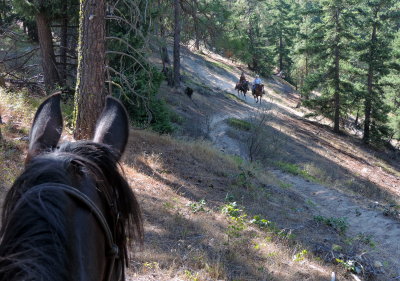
x=340, y=180
x=313, y=203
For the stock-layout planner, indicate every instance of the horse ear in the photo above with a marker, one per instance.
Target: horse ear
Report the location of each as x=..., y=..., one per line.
x=113, y=125
x=46, y=127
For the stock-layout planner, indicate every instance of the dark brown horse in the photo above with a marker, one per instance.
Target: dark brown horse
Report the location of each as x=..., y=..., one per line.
x=258, y=91
x=71, y=214
x=242, y=87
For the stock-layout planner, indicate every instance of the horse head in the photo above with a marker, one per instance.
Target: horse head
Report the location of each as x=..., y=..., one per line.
x=71, y=213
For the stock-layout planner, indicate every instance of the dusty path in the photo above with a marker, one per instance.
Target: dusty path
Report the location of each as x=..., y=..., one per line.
x=383, y=231
x=362, y=220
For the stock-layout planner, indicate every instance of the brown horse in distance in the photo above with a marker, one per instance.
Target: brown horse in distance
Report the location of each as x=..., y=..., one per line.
x=242, y=87
x=258, y=92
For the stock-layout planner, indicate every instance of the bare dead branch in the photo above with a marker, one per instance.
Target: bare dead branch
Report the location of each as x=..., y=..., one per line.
x=19, y=56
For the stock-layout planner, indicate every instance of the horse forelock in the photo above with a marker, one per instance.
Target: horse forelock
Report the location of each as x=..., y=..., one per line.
x=67, y=165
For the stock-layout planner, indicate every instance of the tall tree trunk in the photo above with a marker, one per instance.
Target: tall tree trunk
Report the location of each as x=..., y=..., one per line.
x=90, y=89
x=357, y=117
x=1, y=136
x=177, y=39
x=49, y=66
x=163, y=49
x=254, y=59
x=307, y=51
x=196, y=25
x=280, y=53
x=30, y=28
x=370, y=79
x=167, y=70
x=336, y=126
x=64, y=45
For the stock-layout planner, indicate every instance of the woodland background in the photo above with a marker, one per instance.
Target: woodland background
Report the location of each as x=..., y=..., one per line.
x=342, y=56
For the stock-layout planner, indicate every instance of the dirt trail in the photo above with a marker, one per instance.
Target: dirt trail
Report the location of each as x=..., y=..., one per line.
x=325, y=201
x=383, y=231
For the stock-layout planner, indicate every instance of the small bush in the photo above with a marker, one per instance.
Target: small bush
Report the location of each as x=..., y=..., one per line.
x=231, y=209
x=339, y=224
x=295, y=170
x=197, y=206
x=239, y=124
x=262, y=223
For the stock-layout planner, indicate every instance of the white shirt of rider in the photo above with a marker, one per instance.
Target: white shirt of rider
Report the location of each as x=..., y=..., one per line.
x=257, y=81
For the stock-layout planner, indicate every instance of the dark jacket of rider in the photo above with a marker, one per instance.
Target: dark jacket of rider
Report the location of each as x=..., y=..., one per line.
x=242, y=78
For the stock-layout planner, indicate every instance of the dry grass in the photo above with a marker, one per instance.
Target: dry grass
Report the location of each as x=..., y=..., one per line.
x=182, y=186
x=173, y=178
x=16, y=114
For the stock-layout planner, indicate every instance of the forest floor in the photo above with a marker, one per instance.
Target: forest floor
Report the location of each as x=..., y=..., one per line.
x=342, y=181
x=313, y=204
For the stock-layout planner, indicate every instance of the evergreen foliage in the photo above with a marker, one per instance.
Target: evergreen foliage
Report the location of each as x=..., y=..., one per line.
x=343, y=56
x=132, y=77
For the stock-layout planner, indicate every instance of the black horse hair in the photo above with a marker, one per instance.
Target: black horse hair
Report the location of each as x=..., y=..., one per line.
x=33, y=233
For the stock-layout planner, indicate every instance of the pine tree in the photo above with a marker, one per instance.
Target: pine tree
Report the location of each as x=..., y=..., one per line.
x=376, y=52
x=284, y=16
x=90, y=87
x=391, y=84
x=333, y=52
x=307, y=47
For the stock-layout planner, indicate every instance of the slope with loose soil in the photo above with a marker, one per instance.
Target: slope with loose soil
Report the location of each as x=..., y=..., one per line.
x=211, y=215
x=351, y=184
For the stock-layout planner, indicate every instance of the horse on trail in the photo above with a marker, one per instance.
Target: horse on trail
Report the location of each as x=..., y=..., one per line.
x=71, y=214
x=258, y=91
x=242, y=87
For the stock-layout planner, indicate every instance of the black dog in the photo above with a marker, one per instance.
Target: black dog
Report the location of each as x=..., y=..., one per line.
x=189, y=92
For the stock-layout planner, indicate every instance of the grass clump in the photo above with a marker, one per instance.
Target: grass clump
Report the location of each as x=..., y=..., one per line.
x=239, y=124
x=387, y=168
x=10, y=158
x=340, y=224
x=221, y=65
x=300, y=256
x=197, y=206
x=295, y=170
x=233, y=97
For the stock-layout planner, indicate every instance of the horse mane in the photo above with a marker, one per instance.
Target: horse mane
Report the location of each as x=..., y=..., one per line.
x=35, y=227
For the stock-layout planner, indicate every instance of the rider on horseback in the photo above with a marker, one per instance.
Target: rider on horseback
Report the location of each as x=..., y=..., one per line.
x=242, y=85
x=257, y=81
x=242, y=78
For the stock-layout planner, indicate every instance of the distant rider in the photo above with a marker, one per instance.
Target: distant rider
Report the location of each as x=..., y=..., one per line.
x=257, y=81
x=242, y=78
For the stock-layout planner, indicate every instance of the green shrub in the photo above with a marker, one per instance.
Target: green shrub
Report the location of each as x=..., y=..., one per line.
x=339, y=224
x=295, y=170
x=239, y=124
x=140, y=109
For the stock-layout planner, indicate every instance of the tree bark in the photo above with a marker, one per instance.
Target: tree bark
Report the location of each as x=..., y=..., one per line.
x=64, y=45
x=49, y=66
x=336, y=126
x=370, y=79
x=177, y=39
x=280, y=52
x=90, y=88
x=1, y=135
x=163, y=48
x=196, y=25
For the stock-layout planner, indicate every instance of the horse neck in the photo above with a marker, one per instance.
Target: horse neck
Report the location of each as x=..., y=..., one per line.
x=50, y=236
x=88, y=240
